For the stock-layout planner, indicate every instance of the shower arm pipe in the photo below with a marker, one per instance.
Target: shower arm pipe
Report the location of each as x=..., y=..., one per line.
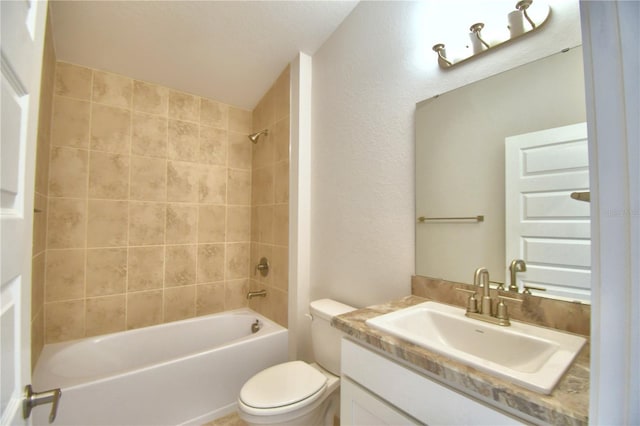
x=255, y=136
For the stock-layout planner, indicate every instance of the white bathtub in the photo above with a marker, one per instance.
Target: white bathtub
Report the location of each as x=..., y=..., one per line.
x=185, y=372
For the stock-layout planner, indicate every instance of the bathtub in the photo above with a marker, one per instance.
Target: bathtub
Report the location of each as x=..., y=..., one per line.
x=186, y=372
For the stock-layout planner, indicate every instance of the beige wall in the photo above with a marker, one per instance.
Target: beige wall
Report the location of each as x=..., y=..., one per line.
x=270, y=200
x=41, y=197
x=149, y=205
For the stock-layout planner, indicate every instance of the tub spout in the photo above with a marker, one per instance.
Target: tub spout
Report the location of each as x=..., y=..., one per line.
x=260, y=293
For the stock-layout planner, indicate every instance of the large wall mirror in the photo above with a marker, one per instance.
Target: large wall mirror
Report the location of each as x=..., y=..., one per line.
x=461, y=139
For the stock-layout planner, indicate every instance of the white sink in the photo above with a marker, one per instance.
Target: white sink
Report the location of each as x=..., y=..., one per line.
x=533, y=357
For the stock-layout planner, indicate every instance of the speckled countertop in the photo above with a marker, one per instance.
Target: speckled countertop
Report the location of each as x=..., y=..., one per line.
x=568, y=404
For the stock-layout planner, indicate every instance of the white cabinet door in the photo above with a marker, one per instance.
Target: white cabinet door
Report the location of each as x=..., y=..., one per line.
x=22, y=30
x=546, y=227
x=409, y=392
x=359, y=407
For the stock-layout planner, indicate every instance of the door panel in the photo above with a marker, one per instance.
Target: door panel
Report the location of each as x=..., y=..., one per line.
x=547, y=228
x=22, y=32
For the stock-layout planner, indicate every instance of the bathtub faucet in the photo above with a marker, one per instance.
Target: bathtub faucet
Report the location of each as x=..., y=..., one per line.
x=252, y=294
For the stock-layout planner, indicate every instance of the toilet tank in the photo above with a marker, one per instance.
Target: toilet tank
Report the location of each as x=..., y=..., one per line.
x=324, y=338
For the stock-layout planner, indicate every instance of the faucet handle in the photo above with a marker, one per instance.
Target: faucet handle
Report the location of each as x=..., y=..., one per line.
x=472, y=303
x=503, y=312
x=528, y=288
x=500, y=285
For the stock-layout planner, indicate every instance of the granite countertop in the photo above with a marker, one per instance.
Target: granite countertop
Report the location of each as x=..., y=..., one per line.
x=568, y=404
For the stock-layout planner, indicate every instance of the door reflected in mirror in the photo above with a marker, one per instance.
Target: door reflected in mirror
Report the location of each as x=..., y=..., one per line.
x=460, y=172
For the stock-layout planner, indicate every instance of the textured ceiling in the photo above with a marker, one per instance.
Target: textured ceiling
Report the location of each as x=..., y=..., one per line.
x=231, y=51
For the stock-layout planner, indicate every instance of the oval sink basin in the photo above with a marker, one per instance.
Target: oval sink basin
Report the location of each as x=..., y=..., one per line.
x=533, y=357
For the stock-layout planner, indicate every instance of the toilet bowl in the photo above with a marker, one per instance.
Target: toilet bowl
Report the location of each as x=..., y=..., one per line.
x=293, y=393
x=297, y=393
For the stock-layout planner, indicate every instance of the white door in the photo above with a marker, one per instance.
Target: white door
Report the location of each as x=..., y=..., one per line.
x=22, y=32
x=547, y=228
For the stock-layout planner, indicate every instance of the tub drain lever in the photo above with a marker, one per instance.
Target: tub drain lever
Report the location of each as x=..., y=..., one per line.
x=33, y=399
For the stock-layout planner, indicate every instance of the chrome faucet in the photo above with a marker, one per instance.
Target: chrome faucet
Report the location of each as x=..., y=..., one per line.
x=517, y=265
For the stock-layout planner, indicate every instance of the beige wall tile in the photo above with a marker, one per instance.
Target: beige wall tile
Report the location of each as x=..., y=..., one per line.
x=211, y=224
x=183, y=106
x=106, y=272
x=64, y=321
x=213, y=146
x=281, y=139
x=146, y=223
x=180, y=265
x=182, y=223
x=66, y=223
x=145, y=269
x=43, y=149
x=280, y=268
x=264, y=223
x=239, y=120
x=150, y=98
x=212, y=184
x=179, y=303
x=182, y=182
x=209, y=298
x=214, y=114
x=237, y=260
x=110, y=129
x=105, y=315
x=235, y=294
x=281, y=182
x=70, y=125
x=240, y=151
x=263, y=151
x=37, y=284
x=144, y=309
x=238, y=223
x=281, y=224
x=149, y=135
x=68, y=172
x=183, y=141
x=107, y=223
x=239, y=187
x=262, y=188
x=148, y=179
x=279, y=302
x=73, y=81
x=210, y=263
x=39, y=223
x=108, y=175
x=112, y=89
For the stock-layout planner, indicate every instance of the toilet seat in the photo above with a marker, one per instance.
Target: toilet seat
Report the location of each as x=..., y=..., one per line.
x=282, y=388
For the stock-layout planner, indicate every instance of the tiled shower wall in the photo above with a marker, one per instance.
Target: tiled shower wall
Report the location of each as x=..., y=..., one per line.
x=149, y=211
x=270, y=200
x=41, y=196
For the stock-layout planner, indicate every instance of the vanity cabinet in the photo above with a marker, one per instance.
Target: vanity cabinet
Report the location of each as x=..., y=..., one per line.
x=377, y=390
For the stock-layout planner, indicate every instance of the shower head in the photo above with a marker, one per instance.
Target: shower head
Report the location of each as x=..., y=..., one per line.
x=255, y=136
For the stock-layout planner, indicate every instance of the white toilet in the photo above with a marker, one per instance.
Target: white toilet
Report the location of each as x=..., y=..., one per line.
x=297, y=393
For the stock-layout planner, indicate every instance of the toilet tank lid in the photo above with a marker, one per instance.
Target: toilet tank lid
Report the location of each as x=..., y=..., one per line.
x=328, y=308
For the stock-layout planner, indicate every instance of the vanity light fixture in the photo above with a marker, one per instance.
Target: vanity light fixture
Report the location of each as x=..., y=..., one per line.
x=535, y=17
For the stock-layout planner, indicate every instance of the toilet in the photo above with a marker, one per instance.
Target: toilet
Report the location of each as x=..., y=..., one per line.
x=297, y=393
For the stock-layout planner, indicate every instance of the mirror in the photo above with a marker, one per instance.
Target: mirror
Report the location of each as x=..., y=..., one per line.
x=460, y=161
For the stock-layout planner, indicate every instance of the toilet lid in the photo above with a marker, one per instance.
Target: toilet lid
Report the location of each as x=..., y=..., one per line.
x=282, y=385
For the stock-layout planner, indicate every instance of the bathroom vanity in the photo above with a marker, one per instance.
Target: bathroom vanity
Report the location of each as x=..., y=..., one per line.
x=387, y=380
